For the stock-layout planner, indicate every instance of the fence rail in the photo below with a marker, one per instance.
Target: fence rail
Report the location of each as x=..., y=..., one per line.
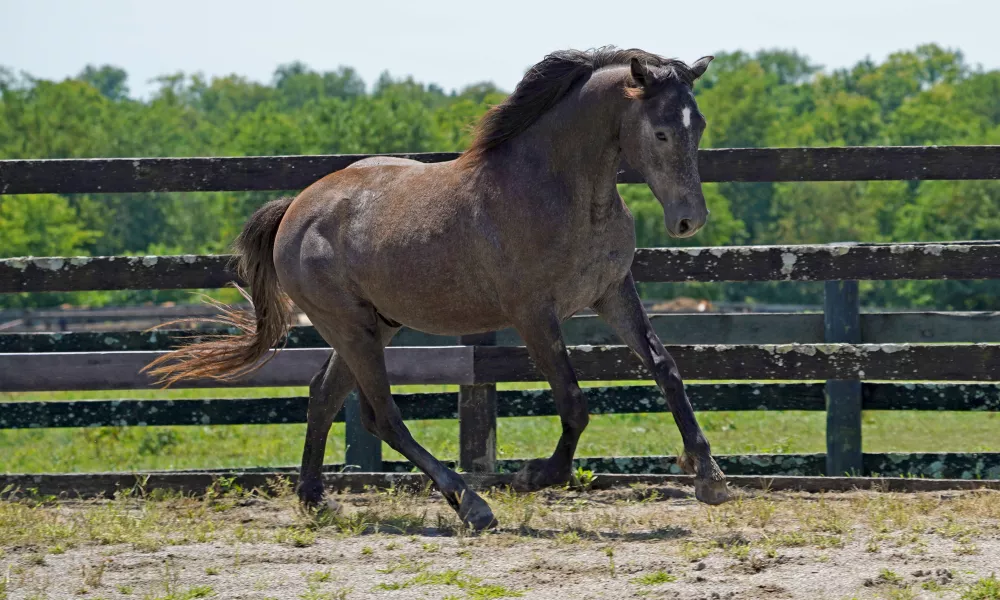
x=472, y=365
x=856, y=354
x=259, y=173
x=676, y=329
x=824, y=262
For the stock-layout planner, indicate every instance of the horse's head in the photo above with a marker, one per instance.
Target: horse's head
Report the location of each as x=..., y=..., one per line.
x=660, y=132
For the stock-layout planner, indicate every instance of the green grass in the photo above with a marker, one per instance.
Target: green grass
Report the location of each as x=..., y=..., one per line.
x=655, y=578
x=141, y=448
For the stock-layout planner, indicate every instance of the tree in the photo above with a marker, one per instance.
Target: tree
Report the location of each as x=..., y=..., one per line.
x=109, y=81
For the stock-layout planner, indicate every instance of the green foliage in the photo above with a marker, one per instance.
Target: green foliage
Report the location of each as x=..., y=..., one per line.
x=773, y=97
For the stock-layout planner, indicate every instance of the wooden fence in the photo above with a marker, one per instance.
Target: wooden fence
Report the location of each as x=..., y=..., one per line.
x=846, y=361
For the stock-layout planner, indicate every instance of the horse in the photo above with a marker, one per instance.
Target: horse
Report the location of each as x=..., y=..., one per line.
x=523, y=230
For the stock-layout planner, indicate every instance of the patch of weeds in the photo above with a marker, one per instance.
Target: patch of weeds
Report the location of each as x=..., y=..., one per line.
x=313, y=592
x=932, y=586
x=695, y=551
x=471, y=585
x=514, y=508
x=957, y=530
x=655, y=578
x=567, y=538
x=92, y=574
x=198, y=591
x=404, y=565
x=787, y=539
x=247, y=535
x=489, y=592
x=827, y=541
x=428, y=547
x=211, y=570
x=610, y=553
x=125, y=590
x=986, y=588
x=367, y=551
x=392, y=546
x=886, y=576
x=966, y=547
x=319, y=576
x=901, y=593
x=762, y=511
x=298, y=537
x=583, y=478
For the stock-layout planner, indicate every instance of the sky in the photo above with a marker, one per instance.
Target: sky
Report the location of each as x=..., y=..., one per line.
x=455, y=43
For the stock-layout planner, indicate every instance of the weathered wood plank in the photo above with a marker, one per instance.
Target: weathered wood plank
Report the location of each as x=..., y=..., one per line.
x=842, y=324
x=945, y=362
x=363, y=451
x=930, y=327
x=819, y=263
x=719, y=328
x=932, y=396
x=954, y=260
x=246, y=173
x=477, y=418
x=90, y=485
x=241, y=173
x=120, y=370
x=68, y=274
x=465, y=365
x=708, y=328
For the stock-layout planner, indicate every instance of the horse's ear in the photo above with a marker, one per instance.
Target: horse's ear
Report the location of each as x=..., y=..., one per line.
x=640, y=73
x=701, y=65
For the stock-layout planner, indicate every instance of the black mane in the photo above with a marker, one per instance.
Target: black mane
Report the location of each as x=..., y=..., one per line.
x=548, y=81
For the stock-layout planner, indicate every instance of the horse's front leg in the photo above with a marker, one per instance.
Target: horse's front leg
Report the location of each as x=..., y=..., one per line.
x=621, y=308
x=543, y=337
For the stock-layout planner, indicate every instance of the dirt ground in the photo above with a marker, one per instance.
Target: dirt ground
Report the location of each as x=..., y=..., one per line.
x=654, y=542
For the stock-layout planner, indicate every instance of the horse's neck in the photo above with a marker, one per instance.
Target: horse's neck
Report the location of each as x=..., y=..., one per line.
x=577, y=143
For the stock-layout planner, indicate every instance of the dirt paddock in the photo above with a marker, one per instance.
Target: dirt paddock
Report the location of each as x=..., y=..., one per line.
x=632, y=542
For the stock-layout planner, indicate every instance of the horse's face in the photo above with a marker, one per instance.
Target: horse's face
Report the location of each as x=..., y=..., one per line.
x=660, y=133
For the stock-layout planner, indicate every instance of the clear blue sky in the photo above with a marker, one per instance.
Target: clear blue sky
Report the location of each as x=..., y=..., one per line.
x=454, y=43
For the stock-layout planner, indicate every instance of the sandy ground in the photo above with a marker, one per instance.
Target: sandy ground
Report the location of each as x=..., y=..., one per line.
x=626, y=543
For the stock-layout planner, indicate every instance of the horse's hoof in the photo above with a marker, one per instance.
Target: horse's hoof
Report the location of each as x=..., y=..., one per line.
x=535, y=475
x=712, y=491
x=475, y=512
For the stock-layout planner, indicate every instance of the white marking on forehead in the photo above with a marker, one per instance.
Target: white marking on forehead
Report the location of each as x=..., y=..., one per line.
x=686, y=116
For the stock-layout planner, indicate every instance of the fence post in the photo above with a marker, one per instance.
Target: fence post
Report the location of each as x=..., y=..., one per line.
x=842, y=324
x=364, y=450
x=477, y=418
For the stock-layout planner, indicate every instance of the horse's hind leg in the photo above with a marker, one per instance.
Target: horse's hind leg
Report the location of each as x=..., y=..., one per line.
x=327, y=392
x=543, y=338
x=359, y=345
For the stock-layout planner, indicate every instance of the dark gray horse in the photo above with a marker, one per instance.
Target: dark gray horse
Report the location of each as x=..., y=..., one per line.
x=524, y=230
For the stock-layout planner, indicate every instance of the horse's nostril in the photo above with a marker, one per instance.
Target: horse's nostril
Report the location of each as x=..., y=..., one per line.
x=684, y=226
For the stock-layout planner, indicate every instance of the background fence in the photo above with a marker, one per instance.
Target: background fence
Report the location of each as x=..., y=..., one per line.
x=847, y=361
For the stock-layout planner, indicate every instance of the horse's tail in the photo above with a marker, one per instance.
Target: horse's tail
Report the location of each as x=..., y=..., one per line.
x=228, y=357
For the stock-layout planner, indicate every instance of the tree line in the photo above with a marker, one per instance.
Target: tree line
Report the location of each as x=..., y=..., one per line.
x=929, y=95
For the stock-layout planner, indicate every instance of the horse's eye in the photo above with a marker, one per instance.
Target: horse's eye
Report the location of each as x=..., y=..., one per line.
x=661, y=136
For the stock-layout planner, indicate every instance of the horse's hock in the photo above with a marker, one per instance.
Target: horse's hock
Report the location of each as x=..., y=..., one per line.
x=867, y=360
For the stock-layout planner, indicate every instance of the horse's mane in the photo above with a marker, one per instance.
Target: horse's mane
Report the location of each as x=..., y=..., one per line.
x=548, y=81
